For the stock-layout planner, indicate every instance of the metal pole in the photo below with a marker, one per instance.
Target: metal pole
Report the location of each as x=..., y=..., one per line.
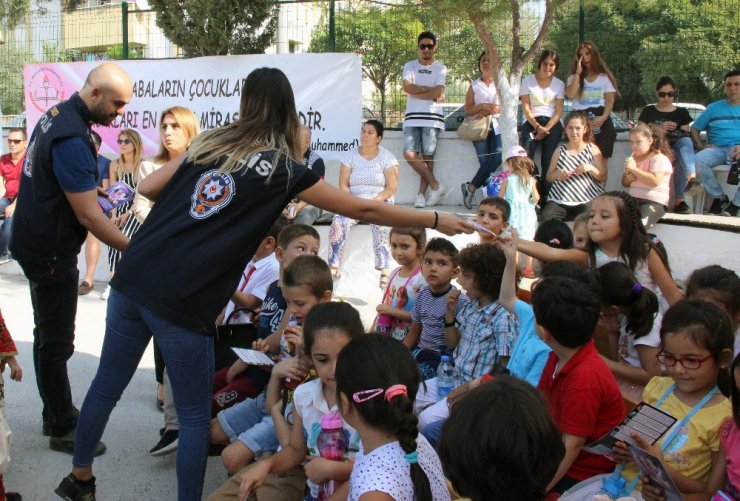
x=124, y=27
x=581, y=22
x=332, y=28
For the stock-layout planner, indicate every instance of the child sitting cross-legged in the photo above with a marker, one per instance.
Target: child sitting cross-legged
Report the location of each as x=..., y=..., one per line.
x=426, y=336
x=580, y=390
x=482, y=332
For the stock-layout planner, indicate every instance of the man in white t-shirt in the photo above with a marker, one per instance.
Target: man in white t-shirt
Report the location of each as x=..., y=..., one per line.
x=424, y=84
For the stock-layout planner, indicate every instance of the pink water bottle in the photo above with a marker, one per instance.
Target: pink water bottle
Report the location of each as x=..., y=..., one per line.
x=332, y=445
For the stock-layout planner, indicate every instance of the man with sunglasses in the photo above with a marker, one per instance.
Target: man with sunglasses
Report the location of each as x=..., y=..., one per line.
x=424, y=84
x=721, y=120
x=57, y=205
x=10, y=171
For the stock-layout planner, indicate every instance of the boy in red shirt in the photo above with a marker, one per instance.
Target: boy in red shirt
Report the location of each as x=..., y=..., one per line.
x=580, y=390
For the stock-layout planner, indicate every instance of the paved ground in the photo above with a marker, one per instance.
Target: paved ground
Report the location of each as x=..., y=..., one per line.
x=126, y=471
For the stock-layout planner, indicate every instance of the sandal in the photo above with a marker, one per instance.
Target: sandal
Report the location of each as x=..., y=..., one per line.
x=383, y=279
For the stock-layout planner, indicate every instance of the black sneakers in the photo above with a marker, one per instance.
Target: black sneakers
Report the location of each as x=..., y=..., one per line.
x=719, y=205
x=167, y=444
x=72, y=489
x=66, y=443
x=731, y=210
x=681, y=208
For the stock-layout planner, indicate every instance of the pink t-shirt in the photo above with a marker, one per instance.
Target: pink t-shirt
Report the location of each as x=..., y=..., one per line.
x=730, y=439
x=656, y=162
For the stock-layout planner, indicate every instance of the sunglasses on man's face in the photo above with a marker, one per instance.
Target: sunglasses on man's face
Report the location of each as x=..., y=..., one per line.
x=124, y=141
x=424, y=46
x=666, y=94
x=15, y=141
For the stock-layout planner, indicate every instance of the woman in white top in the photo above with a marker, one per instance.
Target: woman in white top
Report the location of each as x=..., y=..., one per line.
x=542, y=96
x=370, y=172
x=177, y=127
x=647, y=172
x=593, y=89
x=482, y=100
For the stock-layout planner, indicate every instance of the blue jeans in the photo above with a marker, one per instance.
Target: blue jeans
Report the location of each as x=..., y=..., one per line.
x=706, y=160
x=6, y=224
x=188, y=356
x=54, y=301
x=548, y=146
x=683, y=165
x=489, y=157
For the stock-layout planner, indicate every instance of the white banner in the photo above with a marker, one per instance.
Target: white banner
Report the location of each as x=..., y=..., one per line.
x=327, y=89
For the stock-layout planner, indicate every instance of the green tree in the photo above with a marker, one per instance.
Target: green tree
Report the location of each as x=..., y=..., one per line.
x=384, y=38
x=11, y=81
x=12, y=11
x=218, y=27
x=509, y=55
x=695, y=42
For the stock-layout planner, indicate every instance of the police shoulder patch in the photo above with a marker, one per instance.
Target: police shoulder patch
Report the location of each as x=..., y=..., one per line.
x=213, y=192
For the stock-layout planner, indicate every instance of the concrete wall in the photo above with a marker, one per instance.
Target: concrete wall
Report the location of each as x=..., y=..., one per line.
x=457, y=163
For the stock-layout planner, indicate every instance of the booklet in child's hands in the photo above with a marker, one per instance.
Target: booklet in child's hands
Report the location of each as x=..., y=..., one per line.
x=651, y=467
x=118, y=194
x=648, y=421
x=253, y=357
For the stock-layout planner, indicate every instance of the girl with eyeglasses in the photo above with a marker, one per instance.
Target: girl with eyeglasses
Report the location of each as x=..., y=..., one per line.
x=125, y=169
x=697, y=341
x=674, y=121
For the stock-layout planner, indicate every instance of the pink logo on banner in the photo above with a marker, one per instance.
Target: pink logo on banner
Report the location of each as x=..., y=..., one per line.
x=45, y=89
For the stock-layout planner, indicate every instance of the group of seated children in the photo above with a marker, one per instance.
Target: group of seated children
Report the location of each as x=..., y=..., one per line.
x=534, y=384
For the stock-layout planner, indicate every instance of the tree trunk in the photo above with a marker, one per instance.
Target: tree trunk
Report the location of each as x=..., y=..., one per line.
x=382, y=105
x=508, y=90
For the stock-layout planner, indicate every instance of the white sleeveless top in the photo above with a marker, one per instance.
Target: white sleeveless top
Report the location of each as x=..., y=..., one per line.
x=486, y=93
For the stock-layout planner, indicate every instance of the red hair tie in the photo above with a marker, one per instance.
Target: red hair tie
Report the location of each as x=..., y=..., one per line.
x=394, y=391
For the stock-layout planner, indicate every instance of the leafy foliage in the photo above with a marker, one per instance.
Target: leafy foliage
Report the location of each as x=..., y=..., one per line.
x=11, y=81
x=218, y=27
x=12, y=11
x=384, y=38
x=695, y=42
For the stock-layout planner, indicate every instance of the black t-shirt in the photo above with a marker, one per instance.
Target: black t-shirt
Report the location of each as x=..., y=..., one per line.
x=186, y=260
x=651, y=115
x=272, y=310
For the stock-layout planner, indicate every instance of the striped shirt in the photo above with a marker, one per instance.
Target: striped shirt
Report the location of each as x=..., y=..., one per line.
x=575, y=190
x=485, y=331
x=429, y=310
x=424, y=112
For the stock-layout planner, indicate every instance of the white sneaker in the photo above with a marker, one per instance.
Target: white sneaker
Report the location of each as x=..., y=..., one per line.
x=106, y=292
x=419, y=202
x=436, y=196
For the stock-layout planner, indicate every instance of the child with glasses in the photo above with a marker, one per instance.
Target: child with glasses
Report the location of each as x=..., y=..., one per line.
x=696, y=351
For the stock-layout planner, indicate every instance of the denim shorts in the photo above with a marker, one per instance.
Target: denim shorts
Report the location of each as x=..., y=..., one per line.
x=249, y=423
x=421, y=140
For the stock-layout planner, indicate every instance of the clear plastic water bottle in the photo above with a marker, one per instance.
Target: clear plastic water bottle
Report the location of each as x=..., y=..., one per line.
x=591, y=118
x=332, y=445
x=445, y=377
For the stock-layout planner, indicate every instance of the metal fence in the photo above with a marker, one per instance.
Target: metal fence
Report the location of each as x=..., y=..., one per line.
x=695, y=41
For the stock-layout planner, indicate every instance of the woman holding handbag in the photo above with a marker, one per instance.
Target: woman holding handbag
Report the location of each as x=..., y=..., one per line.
x=482, y=105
